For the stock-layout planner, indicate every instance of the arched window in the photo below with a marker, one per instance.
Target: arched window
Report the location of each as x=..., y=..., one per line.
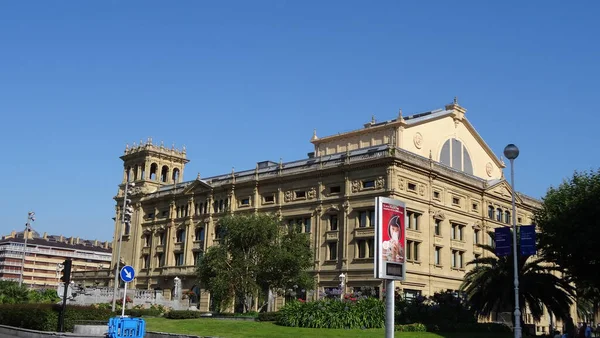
x=153, y=171
x=491, y=212
x=499, y=215
x=507, y=217
x=180, y=236
x=128, y=174
x=176, y=175
x=455, y=155
x=164, y=174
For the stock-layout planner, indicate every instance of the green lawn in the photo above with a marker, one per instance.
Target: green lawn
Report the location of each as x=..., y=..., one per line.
x=246, y=329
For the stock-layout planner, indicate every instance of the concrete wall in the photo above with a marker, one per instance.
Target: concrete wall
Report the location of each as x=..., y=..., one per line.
x=9, y=331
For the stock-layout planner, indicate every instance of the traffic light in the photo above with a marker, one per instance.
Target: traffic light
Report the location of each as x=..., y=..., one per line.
x=66, y=272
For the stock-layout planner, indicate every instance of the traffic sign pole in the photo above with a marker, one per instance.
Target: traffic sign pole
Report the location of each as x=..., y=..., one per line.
x=127, y=275
x=124, y=299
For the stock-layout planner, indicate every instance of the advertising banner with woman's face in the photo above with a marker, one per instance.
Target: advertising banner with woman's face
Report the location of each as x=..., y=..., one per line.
x=390, y=220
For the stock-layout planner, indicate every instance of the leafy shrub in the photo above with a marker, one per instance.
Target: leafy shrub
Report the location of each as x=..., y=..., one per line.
x=249, y=314
x=44, y=317
x=183, y=314
x=143, y=312
x=415, y=327
x=268, y=316
x=442, y=309
x=334, y=313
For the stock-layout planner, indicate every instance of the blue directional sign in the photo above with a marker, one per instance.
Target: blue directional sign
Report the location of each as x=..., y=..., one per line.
x=127, y=273
x=503, y=241
x=527, y=240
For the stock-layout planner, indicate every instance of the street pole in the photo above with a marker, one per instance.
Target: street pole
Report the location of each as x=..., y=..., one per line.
x=390, y=293
x=120, y=236
x=512, y=152
x=25, y=236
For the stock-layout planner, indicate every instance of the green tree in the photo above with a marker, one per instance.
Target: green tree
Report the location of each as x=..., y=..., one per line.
x=254, y=254
x=569, y=220
x=12, y=293
x=489, y=286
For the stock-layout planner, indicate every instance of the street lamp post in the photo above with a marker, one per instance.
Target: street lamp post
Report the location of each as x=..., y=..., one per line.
x=30, y=218
x=125, y=219
x=512, y=152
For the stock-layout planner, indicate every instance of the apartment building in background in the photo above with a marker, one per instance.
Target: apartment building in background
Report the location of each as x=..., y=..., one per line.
x=44, y=253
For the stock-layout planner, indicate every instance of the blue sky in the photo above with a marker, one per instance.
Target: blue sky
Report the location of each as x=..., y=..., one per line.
x=241, y=82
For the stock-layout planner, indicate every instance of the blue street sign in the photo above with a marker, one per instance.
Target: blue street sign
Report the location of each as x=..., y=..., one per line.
x=527, y=240
x=503, y=241
x=127, y=273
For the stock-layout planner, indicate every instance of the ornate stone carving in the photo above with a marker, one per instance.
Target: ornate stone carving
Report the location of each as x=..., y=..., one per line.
x=401, y=183
x=439, y=214
x=380, y=182
x=418, y=140
x=489, y=169
x=346, y=206
x=355, y=186
x=288, y=196
x=333, y=207
x=422, y=189
x=312, y=193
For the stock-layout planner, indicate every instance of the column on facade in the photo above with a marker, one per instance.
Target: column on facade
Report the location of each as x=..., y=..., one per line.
x=346, y=227
x=188, y=255
x=134, y=236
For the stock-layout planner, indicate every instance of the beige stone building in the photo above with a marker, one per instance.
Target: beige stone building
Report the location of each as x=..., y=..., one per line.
x=45, y=252
x=436, y=162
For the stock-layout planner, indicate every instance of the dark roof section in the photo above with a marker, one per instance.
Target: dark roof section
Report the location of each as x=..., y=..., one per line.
x=43, y=242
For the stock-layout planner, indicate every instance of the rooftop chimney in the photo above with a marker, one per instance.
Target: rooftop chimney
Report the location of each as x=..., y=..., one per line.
x=71, y=240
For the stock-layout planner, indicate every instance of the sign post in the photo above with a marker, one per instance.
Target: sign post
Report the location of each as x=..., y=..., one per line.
x=390, y=222
x=127, y=274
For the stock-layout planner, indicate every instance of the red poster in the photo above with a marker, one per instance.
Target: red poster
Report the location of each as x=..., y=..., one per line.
x=392, y=233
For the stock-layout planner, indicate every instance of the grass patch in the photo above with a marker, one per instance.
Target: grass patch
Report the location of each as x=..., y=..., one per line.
x=246, y=329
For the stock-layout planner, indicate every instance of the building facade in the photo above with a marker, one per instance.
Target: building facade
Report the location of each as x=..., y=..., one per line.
x=451, y=181
x=44, y=253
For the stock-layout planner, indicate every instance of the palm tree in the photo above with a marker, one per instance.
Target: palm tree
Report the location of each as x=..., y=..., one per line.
x=489, y=286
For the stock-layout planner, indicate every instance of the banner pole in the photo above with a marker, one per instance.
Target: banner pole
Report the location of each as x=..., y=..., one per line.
x=389, y=308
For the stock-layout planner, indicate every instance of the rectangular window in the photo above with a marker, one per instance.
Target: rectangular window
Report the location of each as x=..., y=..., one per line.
x=411, y=295
x=499, y=215
x=507, y=217
x=333, y=222
x=197, y=256
x=150, y=215
x=269, y=199
x=476, y=236
x=301, y=224
x=335, y=189
x=162, y=238
x=146, y=261
x=455, y=200
x=491, y=212
x=436, y=195
x=414, y=220
x=178, y=259
x=412, y=250
x=368, y=184
x=412, y=187
x=160, y=259
x=245, y=202
x=199, y=235
x=361, y=246
x=437, y=259
x=147, y=241
x=332, y=251
x=180, y=236
x=300, y=194
x=474, y=207
x=457, y=259
x=366, y=218
x=457, y=232
x=437, y=228
x=371, y=245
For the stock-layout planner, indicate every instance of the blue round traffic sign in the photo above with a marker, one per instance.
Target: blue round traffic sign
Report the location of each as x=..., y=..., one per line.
x=127, y=273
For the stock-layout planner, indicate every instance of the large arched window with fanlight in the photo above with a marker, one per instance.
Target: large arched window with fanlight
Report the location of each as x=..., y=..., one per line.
x=454, y=154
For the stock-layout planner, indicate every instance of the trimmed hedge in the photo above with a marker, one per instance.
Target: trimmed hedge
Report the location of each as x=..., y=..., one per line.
x=469, y=327
x=44, y=317
x=152, y=312
x=183, y=314
x=415, y=327
x=268, y=316
x=334, y=314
